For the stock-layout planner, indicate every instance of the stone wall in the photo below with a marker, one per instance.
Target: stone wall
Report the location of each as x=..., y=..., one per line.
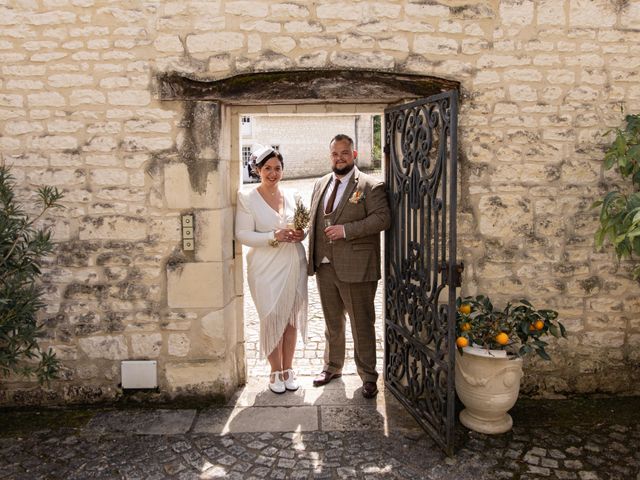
x=304, y=140
x=541, y=82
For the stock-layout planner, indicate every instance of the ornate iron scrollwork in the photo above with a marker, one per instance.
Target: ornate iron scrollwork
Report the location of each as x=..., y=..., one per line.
x=420, y=259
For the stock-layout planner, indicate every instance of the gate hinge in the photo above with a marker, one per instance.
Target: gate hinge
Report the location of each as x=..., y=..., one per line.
x=457, y=275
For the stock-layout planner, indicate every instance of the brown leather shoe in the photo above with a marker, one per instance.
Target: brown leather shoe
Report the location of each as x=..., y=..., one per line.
x=324, y=378
x=369, y=389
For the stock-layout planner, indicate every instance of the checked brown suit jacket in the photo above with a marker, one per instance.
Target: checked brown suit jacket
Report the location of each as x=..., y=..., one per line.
x=356, y=258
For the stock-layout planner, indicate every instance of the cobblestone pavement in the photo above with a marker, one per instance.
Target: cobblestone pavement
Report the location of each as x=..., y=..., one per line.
x=308, y=357
x=602, y=444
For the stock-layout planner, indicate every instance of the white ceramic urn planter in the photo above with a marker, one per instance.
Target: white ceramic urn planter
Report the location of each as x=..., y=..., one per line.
x=488, y=383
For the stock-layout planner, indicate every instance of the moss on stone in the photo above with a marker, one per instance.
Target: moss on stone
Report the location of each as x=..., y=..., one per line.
x=15, y=422
x=579, y=410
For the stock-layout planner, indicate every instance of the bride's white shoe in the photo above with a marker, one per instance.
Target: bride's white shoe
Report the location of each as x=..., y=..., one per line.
x=278, y=385
x=291, y=383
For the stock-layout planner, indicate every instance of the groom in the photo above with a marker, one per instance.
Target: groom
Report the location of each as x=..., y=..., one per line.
x=345, y=256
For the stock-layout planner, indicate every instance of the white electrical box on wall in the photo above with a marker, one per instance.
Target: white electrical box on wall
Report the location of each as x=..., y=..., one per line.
x=139, y=374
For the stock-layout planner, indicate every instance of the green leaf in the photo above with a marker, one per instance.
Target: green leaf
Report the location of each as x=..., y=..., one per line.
x=633, y=200
x=544, y=354
x=634, y=152
x=620, y=143
x=599, y=237
x=609, y=159
x=624, y=248
x=619, y=239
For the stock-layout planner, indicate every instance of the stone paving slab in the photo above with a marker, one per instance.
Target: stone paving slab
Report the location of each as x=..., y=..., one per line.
x=265, y=398
x=384, y=417
x=353, y=418
x=347, y=382
x=340, y=396
x=143, y=422
x=257, y=419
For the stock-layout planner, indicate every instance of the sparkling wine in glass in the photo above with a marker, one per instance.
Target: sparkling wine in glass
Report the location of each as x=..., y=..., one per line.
x=328, y=223
x=290, y=226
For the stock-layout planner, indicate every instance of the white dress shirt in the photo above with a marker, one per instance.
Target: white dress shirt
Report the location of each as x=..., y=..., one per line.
x=344, y=181
x=341, y=188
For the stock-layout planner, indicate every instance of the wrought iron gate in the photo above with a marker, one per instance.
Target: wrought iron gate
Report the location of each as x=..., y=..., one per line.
x=420, y=261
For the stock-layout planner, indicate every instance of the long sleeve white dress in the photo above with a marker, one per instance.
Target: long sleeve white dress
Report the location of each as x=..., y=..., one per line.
x=277, y=276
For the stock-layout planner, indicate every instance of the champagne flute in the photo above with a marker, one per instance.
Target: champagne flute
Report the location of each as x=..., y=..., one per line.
x=290, y=226
x=328, y=223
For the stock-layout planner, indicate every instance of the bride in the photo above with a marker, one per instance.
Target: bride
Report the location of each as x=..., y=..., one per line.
x=276, y=266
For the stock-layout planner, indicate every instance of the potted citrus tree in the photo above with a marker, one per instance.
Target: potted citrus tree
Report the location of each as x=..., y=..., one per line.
x=491, y=343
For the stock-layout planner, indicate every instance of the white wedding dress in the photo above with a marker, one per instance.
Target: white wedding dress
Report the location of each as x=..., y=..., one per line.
x=277, y=276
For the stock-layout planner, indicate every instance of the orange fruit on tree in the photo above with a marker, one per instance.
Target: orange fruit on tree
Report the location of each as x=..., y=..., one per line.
x=462, y=342
x=532, y=327
x=502, y=338
x=465, y=327
x=539, y=324
x=464, y=309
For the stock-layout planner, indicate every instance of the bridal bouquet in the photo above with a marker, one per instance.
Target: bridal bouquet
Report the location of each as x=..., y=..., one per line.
x=301, y=216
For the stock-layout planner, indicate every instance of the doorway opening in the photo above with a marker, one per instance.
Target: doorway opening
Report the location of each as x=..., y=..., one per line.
x=302, y=136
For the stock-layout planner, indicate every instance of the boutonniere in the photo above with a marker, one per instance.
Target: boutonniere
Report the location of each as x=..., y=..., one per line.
x=357, y=197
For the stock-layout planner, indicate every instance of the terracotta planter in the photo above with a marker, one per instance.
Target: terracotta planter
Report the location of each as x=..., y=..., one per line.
x=488, y=386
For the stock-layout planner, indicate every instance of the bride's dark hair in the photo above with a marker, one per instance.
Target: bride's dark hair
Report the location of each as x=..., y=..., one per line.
x=269, y=155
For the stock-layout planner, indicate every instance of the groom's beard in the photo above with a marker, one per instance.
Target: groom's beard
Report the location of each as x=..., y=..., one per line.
x=344, y=170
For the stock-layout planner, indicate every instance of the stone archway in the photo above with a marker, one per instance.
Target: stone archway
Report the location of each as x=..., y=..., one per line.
x=202, y=180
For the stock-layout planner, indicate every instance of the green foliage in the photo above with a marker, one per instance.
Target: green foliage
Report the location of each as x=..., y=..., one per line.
x=22, y=247
x=620, y=210
x=479, y=322
x=376, y=151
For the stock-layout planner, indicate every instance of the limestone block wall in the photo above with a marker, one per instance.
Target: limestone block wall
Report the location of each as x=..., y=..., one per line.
x=304, y=140
x=541, y=81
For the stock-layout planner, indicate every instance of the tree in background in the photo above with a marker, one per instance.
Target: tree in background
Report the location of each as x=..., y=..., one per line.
x=22, y=248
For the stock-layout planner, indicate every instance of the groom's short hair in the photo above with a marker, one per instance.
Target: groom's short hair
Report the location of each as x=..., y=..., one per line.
x=340, y=137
